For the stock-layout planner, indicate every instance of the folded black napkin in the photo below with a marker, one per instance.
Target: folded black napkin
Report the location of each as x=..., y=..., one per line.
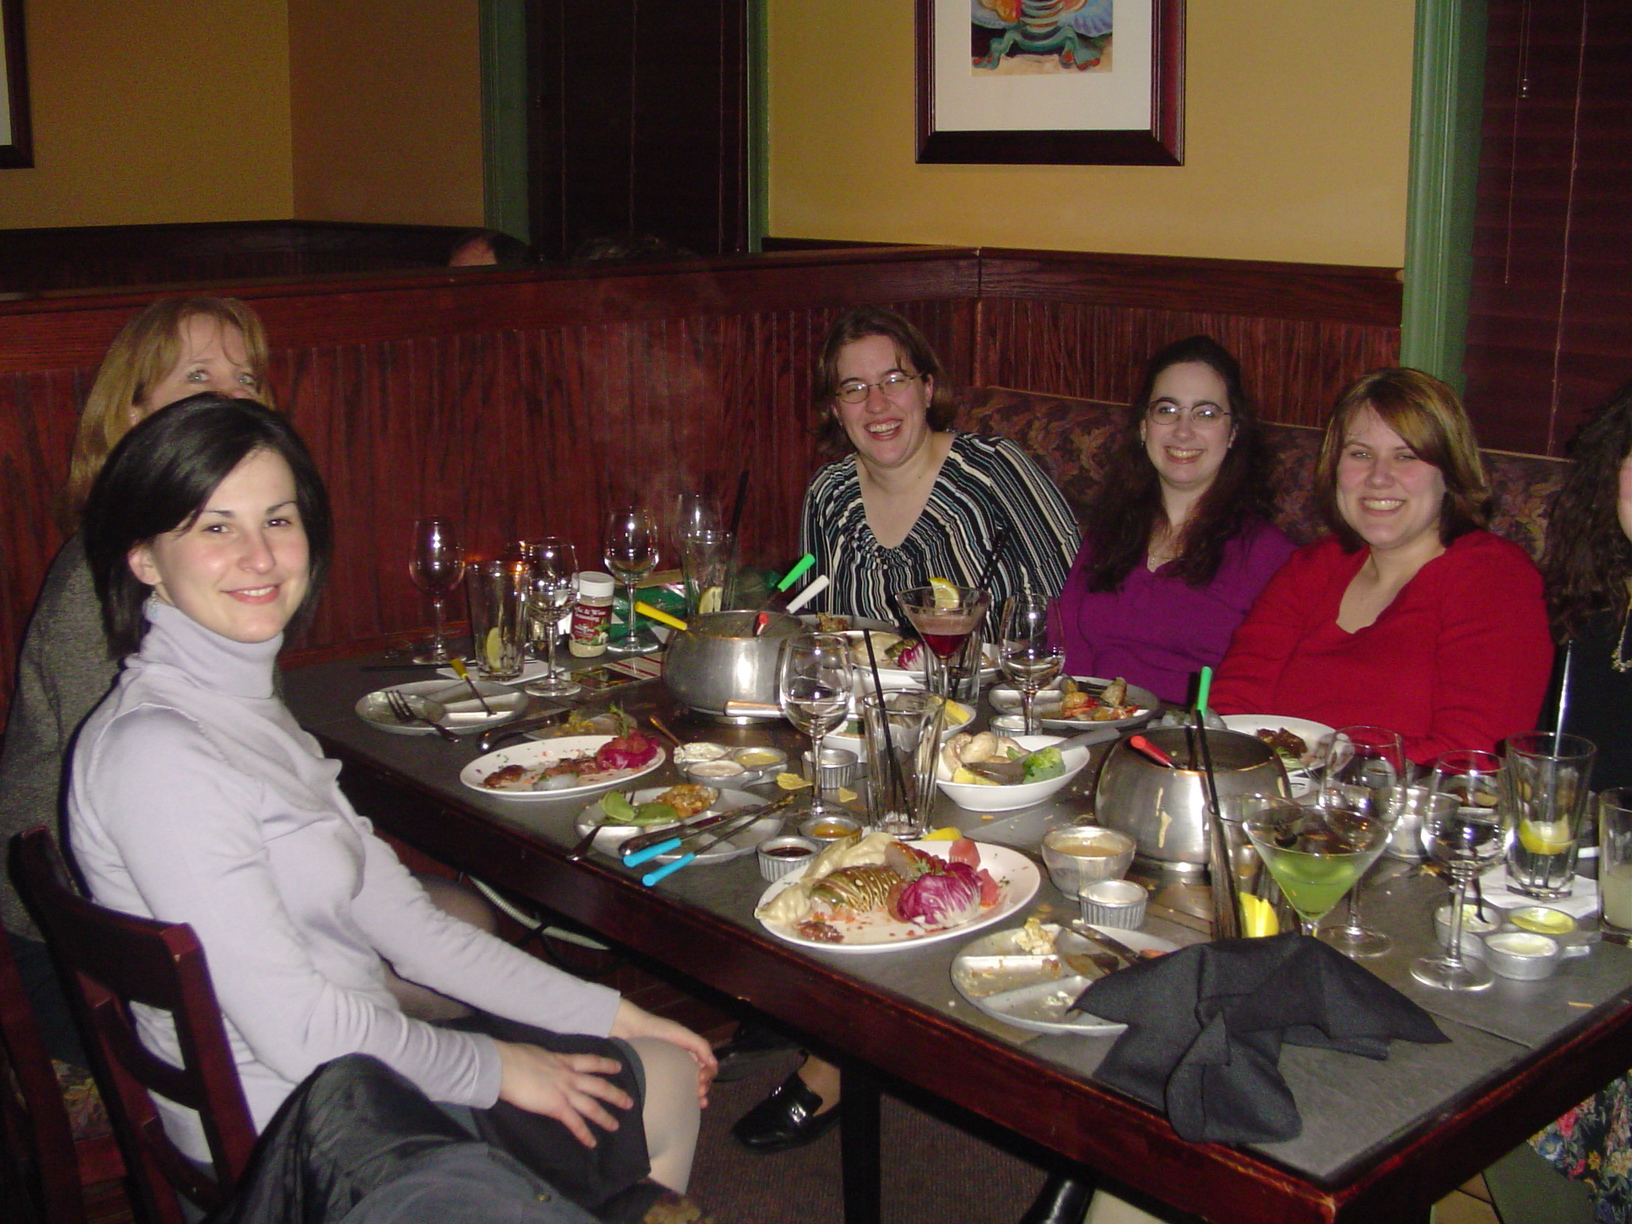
x=1206, y=1023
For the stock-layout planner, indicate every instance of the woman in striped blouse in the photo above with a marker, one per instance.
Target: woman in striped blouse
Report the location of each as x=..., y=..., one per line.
x=915, y=500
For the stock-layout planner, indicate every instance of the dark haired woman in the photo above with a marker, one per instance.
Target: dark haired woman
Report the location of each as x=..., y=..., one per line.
x=1410, y=615
x=1178, y=542
x=194, y=797
x=915, y=500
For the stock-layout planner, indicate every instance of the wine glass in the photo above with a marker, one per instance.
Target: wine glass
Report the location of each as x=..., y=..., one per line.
x=1026, y=655
x=813, y=686
x=944, y=614
x=436, y=566
x=553, y=570
x=1469, y=840
x=1361, y=765
x=694, y=512
x=1316, y=853
x=631, y=554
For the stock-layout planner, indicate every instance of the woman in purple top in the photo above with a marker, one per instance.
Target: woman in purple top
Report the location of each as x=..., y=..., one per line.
x=1178, y=541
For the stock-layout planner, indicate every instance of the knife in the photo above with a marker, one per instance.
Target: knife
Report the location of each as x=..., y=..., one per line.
x=644, y=846
x=697, y=843
x=493, y=738
x=697, y=847
x=1107, y=941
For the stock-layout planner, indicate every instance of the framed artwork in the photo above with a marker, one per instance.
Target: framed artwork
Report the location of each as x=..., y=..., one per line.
x=16, y=143
x=1061, y=82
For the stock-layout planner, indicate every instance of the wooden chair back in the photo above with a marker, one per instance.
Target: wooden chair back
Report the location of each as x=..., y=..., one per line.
x=109, y=961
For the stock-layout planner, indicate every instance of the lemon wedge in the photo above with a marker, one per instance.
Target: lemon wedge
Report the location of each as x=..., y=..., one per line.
x=1258, y=916
x=709, y=601
x=492, y=650
x=945, y=594
x=969, y=777
x=945, y=833
x=957, y=714
x=1545, y=836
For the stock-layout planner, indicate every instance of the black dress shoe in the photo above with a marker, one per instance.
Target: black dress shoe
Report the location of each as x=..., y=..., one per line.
x=1062, y=1200
x=785, y=1119
x=751, y=1047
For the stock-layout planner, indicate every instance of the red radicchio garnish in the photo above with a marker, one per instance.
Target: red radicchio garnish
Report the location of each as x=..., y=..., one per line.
x=626, y=752
x=941, y=898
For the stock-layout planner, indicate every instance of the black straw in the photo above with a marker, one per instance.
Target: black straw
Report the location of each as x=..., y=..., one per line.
x=736, y=507
x=883, y=713
x=991, y=556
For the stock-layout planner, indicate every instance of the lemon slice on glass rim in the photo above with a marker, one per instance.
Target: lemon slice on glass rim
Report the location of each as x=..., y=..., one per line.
x=944, y=593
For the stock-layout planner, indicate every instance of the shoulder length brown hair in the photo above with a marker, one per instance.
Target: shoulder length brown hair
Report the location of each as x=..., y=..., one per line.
x=1587, y=561
x=145, y=350
x=910, y=346
x=1128, y=507
x=1429, y=419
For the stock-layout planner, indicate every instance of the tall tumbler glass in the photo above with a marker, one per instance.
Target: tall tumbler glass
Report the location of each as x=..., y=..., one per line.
x=498, y=592
x=903, y=741
x=1615, y=861
x=1544, y=788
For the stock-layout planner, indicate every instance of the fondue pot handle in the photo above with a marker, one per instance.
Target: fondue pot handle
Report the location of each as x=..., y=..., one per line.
x=752, y=709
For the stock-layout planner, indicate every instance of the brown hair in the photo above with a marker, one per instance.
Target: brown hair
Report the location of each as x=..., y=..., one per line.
x=1430, y=420
x=145, y=350
x=910, y=346
x=1588, y=559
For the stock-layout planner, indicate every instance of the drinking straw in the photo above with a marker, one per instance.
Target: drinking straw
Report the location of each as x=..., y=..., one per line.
x=878, y=690
x=736, y=507
x=1563, y=692
x=991, y=556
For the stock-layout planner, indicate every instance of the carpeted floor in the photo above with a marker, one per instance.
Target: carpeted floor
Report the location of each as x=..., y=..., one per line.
x=934, y=1173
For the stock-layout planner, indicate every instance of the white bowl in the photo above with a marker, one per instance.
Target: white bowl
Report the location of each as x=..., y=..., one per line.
x=1020, y=795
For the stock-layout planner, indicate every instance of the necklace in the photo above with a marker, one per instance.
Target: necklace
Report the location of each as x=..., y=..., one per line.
x=1618, y=660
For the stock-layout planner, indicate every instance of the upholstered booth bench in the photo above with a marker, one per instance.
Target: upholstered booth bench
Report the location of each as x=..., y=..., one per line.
x=1073, y=438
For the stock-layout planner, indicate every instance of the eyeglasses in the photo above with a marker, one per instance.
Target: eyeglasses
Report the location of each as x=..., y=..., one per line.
x=893, y=385
x=1201, y=415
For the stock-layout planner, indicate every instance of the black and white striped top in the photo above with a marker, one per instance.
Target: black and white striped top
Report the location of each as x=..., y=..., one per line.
x=985, y=483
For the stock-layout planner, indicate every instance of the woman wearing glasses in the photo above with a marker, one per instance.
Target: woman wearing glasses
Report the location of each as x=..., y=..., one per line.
x=915, y=500
x=1410, y=615
x=1178, y=542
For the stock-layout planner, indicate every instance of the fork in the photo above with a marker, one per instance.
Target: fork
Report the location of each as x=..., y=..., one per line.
x=407, y=714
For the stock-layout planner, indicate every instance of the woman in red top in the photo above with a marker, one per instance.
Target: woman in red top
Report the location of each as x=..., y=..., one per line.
x=1410, y=615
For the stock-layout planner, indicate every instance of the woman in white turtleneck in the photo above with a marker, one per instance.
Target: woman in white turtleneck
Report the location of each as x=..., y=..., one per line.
x=195, y=797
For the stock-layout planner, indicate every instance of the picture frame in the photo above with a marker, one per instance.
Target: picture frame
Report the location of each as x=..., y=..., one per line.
x=1130, y=115
x=16, y=133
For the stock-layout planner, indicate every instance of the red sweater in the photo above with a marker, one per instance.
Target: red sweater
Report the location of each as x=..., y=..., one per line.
x=1460, y=659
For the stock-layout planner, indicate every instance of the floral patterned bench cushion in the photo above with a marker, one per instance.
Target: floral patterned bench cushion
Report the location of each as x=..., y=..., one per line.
x=1073, y=439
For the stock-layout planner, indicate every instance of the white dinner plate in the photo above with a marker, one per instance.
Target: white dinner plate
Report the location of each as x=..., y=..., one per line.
x=1015, y=874
x=742, y=842
x=1033, y=991
x=1316, y=735
x=1006, y=700
x=448, y=702
x=546, y=752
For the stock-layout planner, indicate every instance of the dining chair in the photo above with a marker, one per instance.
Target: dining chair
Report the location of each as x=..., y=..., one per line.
x=109, y=961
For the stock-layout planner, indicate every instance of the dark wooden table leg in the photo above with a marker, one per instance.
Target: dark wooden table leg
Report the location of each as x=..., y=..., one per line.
x=859, y=1147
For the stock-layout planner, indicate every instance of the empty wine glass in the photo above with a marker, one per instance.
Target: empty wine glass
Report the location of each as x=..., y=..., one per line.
x=437, y=565
x=553, y=570
x=813, y=686
x=1361, y=765
x=1469, y=840
x=631, y=554
x=1025, y=653
x=695, y=512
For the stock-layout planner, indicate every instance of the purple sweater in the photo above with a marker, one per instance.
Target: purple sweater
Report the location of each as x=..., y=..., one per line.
x=1157, y=630
x=194, y=797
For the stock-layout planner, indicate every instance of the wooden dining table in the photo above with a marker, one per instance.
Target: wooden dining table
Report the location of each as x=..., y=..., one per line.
x=1381, y=1140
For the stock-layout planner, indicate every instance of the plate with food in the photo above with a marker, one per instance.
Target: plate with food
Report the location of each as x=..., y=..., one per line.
x=1080, y=703
x=1029, y=976
x=562, y=768
x=1299, y=742
x=620, y=815
x=448, y=705
x=610, y=721
x=877, y=894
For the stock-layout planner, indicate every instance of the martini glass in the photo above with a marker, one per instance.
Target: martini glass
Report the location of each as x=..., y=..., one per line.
x=1316, y=854
x=1362, y=765
x=944, y=614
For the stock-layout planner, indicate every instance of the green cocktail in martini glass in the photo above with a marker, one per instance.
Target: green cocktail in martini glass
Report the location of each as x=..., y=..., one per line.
x=1316, y=854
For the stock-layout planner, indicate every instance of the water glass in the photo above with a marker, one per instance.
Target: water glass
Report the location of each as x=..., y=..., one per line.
x=499, y=616
x=1544, y=790
x=1615, y=857
x=902, y=730
x=705, y=563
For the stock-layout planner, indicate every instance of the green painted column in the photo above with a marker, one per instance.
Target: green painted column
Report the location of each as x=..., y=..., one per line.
x=504, y=116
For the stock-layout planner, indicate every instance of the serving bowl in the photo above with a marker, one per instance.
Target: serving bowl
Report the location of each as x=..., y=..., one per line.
x=1011, y=798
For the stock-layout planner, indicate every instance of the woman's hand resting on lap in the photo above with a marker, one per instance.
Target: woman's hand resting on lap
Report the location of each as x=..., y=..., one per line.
x=632, y=1022
x=566, y=1087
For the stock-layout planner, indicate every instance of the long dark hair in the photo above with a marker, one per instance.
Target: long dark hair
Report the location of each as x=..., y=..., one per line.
x=157, y=480
x=1588, y=559
x=1128, y=507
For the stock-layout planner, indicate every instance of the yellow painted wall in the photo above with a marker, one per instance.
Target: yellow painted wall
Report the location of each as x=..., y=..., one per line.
x=153, y=111
x=387, y=107
x=1297, y=139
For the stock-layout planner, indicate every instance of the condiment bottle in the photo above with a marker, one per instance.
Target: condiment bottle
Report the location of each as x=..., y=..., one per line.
x=591, y=615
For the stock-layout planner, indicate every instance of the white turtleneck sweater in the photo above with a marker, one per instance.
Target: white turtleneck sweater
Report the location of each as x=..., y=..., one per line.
x=194, y=797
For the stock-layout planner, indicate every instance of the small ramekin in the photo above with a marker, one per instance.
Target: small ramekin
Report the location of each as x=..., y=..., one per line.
x=1522, y=954
x=818, y=828
x=723, y=773
x=1114, y=903
x=760, y=763
x=774, y=865
x=838, y=767
x=1473, y=930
